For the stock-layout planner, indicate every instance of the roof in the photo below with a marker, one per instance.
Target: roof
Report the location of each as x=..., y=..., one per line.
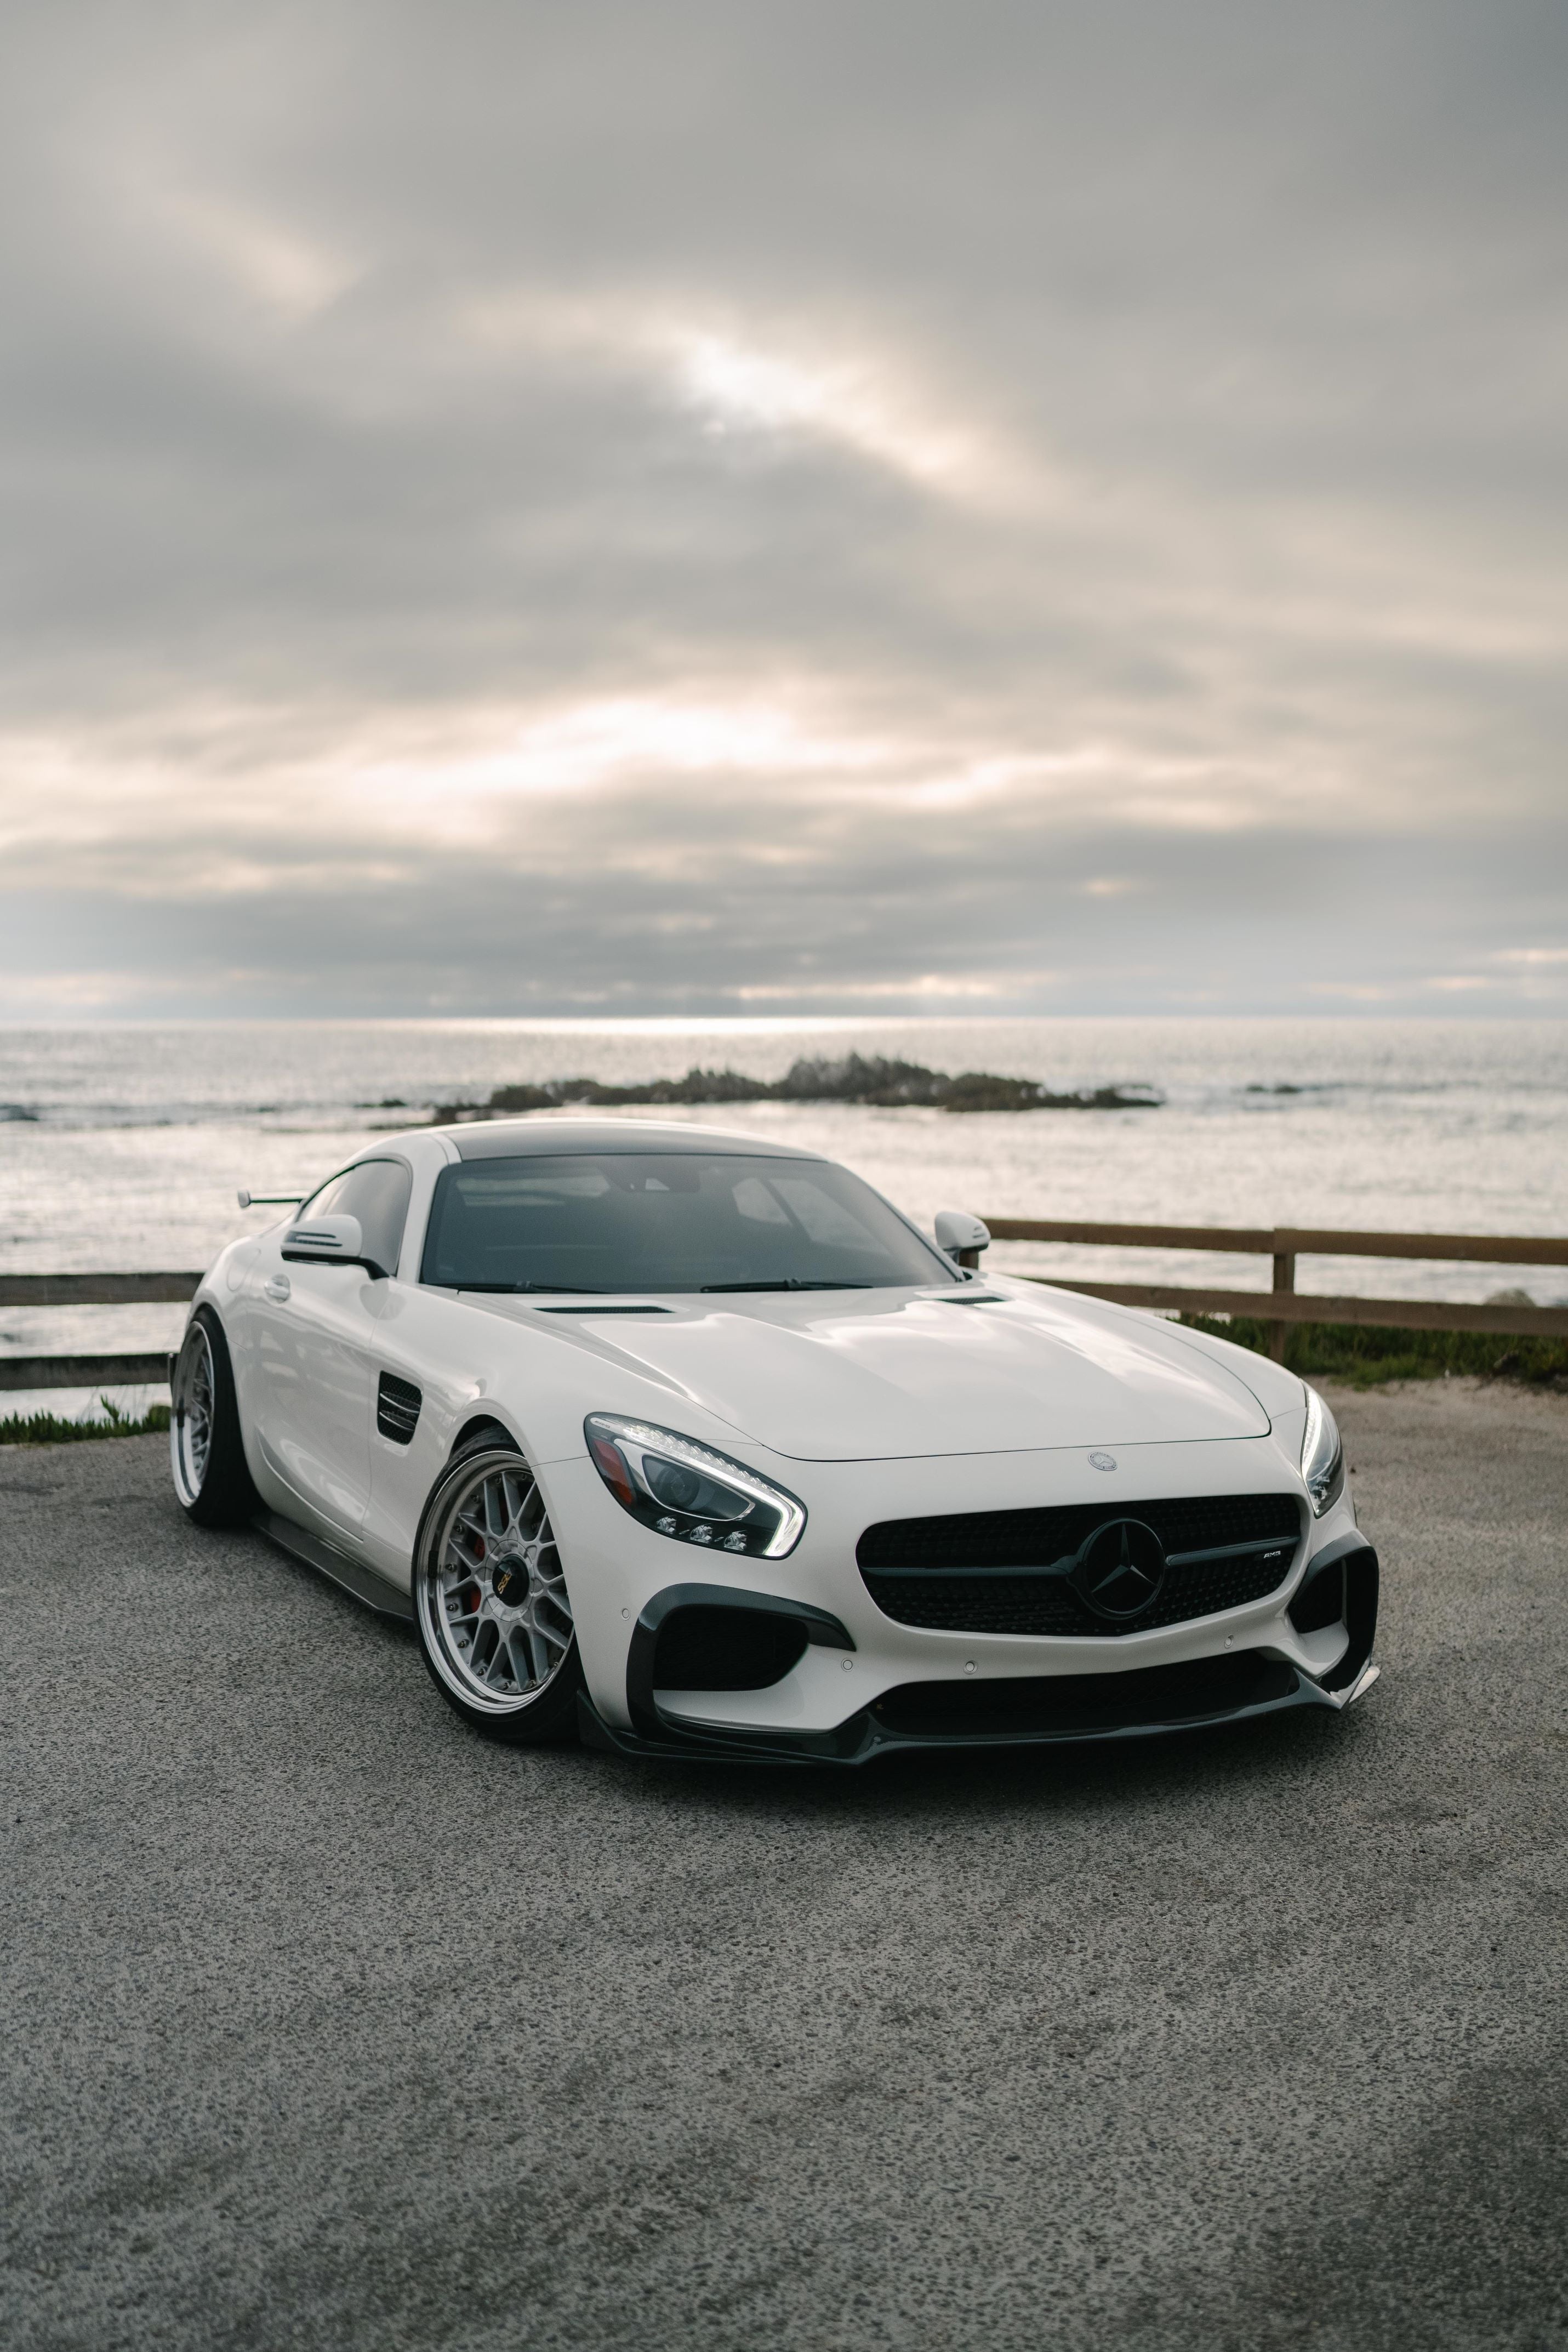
x=506, y=1139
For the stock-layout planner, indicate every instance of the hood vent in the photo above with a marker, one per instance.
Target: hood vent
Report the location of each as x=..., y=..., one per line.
x=397, y=1409
x=606, y=1310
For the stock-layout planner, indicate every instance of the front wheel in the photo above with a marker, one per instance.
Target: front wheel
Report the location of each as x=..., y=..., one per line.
x=206, y=1451
x=490, y=1602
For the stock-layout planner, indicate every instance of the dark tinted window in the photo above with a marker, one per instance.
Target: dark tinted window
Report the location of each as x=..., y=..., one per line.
x=667, y=1222
x=376, y=1191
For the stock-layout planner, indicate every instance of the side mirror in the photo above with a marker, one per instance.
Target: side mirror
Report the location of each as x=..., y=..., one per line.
x=961, y=1235
x=329, y=1241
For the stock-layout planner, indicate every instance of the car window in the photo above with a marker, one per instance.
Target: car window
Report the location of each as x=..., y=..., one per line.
x=672, y=1221
x=377, y=1192
x=754, y=1199
x=823, y=1218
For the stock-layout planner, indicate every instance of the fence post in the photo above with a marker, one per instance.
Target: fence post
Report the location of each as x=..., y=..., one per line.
x=1284, y=1280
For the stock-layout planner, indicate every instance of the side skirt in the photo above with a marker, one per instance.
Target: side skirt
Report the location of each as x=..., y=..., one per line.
x=386, y=1599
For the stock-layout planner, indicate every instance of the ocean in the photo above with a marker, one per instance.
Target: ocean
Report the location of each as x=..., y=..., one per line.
x=123, y=1146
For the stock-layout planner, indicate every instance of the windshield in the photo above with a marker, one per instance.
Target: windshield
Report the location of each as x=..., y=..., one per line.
x=668, y=1221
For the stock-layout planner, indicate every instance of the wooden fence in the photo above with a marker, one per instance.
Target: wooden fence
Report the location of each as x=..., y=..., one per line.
x=90, y=1290
x=1279, y=1306
x=1283, y=1304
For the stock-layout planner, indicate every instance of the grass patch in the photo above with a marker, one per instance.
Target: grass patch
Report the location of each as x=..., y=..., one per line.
x=1365, y=1354
x=50, y=1429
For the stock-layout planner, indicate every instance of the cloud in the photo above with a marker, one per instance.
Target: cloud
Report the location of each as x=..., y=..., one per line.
x=1019, y=509
x=264, y=259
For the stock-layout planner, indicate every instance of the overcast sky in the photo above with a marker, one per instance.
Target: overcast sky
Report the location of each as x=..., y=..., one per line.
x=628, y=507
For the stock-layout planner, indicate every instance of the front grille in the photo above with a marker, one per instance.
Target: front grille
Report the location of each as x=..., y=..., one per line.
x=1064, y=1704
x=1007, y=1571
x=397, y=1409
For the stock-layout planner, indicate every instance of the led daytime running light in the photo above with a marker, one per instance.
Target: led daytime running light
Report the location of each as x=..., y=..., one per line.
x=1322, y=1454
x=690, y=1493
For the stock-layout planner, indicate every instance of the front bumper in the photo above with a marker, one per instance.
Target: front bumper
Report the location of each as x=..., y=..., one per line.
x=1208, y=1687
x=865, y=1683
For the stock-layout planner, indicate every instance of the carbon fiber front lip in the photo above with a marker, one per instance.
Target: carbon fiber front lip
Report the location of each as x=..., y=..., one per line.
x=862, y=1739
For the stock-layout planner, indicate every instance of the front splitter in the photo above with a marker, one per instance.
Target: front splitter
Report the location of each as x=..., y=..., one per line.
x=864, y=1737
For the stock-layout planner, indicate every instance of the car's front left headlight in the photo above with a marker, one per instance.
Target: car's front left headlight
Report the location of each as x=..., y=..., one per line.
x=1322, y=1454
x=686, y=1491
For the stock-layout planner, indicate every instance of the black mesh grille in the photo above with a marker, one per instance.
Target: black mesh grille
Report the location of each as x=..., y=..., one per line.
x=397, y=1409
x=1086, y=1703
x=968, y=1600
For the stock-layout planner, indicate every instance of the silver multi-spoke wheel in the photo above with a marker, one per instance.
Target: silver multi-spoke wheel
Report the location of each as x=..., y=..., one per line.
x=492, y=1601
x=207, y=1443
x=195, y=1410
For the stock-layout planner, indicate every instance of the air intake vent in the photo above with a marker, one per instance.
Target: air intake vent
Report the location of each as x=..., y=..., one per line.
x=725, y=1649
x=397, y=1409
x=1146, y=1699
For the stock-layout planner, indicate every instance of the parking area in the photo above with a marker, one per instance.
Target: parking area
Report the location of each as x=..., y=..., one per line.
x=327, y=2024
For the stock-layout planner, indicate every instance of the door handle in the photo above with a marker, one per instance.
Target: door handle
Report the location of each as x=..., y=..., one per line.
x=276, y=1287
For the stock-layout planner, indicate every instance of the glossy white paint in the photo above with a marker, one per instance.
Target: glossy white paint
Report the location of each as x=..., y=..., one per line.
x=866, y=1405
x=837, y=1377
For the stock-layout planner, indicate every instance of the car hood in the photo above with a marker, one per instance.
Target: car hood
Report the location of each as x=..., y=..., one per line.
x=838, y=1377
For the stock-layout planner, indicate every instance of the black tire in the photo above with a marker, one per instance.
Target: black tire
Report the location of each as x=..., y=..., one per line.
x=206, y=1452
x=545, y=1716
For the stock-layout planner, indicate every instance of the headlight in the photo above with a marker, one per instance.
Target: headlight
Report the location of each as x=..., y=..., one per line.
x=685, y=1490
x=1322, y=1456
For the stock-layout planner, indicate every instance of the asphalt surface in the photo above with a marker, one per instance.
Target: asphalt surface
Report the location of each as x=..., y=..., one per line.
x=327, y=2024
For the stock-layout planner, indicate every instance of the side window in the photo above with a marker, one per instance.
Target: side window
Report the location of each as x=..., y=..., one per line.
x=377, y=1192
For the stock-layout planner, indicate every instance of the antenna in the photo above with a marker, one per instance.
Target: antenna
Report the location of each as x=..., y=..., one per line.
x=270, y=1199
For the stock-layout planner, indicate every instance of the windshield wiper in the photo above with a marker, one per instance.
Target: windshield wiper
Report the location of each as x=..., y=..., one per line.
x=579, y=1289
x=792, y=1284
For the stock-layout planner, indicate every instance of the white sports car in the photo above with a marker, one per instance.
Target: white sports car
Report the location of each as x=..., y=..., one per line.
x=693, y=1443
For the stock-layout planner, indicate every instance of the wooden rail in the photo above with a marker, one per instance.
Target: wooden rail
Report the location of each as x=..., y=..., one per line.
x=83, y=1372
x=1292, y=1241
x=97, y=1289
x=1283, y=1304
x=1280, y=1306
x=90, y=1290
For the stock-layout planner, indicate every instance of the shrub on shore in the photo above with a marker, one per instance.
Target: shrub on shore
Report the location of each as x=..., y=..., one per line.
x=53, y=1429
x=1364, y=1355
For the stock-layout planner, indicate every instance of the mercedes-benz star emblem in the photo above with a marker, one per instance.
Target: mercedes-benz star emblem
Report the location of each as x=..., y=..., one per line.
x=1121, y=1567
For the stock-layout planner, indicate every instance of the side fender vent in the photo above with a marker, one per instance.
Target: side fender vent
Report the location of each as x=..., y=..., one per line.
x=397, y=1409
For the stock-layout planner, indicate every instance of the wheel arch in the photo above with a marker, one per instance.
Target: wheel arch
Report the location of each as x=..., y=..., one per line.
x=481, y=1425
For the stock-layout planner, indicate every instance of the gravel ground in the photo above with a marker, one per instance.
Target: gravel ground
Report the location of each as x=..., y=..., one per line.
x=327, y=2025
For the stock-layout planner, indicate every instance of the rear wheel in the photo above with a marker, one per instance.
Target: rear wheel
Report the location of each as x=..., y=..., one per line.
x=206, y=1451
x=490, y=1602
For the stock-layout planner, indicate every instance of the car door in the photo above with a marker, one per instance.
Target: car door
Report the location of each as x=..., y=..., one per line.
x=316, y=1355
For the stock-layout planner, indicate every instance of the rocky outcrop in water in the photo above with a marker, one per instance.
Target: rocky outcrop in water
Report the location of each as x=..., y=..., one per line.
x=875, y=1081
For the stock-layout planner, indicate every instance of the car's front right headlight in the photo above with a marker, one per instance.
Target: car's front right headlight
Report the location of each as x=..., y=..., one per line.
x=1322, y=1454
x=686, y=1491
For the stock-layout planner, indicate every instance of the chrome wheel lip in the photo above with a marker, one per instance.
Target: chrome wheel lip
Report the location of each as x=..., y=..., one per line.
x=193, y=1403
x=492, y=1499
